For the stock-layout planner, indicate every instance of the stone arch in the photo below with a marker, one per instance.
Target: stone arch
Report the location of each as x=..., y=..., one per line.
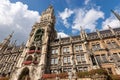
x=24, y=75
x=29, y=58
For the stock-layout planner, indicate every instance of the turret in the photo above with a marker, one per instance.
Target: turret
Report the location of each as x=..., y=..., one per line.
x=6, y=42
x=35, y=55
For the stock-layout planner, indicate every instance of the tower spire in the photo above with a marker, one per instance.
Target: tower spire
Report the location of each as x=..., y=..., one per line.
x=116, y=14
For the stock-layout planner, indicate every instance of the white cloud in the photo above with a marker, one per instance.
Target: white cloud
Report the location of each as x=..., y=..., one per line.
x=64, y=15
x=112, y=21
x=87, y=18
x=86, y=2
x=61, y=34
x=16, y=17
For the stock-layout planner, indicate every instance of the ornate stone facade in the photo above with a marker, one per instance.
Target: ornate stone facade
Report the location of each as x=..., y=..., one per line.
x=44, y=53
x=9, y=55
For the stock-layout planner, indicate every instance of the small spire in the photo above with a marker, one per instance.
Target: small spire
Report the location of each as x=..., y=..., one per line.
x=50, y=6
x=70, y=38
x=59, y=38
x=10, y=36
x=99, y=35
x=6, y=41
x=116, y=14
x=22, y=45
x=111, y=29
x=81, y=29
x=83, y=33
x=14, y=42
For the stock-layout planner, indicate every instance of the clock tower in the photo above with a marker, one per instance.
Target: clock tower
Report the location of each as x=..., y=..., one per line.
x=32, y=63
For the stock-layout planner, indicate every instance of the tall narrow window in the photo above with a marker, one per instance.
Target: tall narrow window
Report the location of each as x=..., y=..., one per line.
x=98, y=59
x=78, y=58
x=109, y=45
x=114, y=44
x=94, y=47
x=54, y=61
x=104, y=58
x=98, y=46
x=82, y=58
x=78, y=48
x=66, y=59
x=65, y=49
x=116, y=57
x=54, y=51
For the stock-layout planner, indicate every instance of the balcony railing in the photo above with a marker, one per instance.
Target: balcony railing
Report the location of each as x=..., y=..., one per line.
x=33, y=51
x=27, y=62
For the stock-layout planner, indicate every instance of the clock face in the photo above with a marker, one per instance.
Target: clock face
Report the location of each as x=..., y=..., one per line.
x=38, y=35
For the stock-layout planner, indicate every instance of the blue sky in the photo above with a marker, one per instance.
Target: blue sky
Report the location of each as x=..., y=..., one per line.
x=20, y=15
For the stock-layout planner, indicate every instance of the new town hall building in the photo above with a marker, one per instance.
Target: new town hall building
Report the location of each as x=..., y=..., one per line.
x=44, y=53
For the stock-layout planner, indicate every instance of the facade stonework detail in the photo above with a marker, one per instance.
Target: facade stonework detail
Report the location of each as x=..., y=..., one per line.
x=44, y=53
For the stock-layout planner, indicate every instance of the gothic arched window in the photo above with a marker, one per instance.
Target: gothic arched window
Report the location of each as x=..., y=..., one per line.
x=29, y=58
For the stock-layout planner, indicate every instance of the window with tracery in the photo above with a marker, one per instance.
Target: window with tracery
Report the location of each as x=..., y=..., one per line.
x=54, y=61
x=96, y=46
x=66, y=59
x=66, y=50
x=55, y=51
x=81, y=58
x=78, y=48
